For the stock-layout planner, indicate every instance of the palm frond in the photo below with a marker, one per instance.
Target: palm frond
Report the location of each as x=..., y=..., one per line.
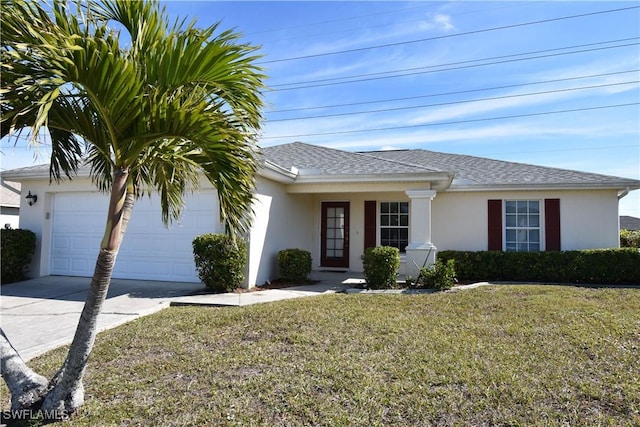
x=177, y=102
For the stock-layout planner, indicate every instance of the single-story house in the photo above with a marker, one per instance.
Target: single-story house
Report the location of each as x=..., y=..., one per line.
x=335, y=204
x=9, y=204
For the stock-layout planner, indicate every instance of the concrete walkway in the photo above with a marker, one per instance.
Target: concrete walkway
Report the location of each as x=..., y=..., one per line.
x=257, y=296
x=328, y=282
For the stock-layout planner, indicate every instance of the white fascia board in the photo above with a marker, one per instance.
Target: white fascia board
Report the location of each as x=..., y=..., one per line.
x=276, y=173
x=542, y=187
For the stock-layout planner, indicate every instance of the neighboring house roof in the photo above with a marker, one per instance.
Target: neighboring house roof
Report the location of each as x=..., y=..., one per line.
x=298, y=162
x=629, y=223
x=9, y=194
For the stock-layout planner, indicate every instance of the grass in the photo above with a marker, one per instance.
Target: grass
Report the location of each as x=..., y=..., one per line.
x=504, y=355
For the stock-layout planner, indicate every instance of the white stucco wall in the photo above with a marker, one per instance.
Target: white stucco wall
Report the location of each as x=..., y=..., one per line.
x=588, y=218
x=286, y=219
x=281, y=221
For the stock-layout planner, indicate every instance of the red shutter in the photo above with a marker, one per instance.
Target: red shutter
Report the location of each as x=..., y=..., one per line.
x=552, y=224
x=495, y=225
x=370, y=215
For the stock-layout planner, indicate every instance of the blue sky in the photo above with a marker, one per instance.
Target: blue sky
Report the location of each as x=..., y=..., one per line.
x=547, y=83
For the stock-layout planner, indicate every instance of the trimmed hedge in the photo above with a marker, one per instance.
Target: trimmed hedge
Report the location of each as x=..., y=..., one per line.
x=630, y=238
x=220, y=261
x=17, y=247
x=601, y=266
x=441, y=275
x=381, y=267
x=294, y=265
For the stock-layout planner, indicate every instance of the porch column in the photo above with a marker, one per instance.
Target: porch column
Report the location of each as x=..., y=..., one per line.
x=420, y=250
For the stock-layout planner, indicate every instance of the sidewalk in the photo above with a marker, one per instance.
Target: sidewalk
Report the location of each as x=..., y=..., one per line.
x=328, y=282
x=258, y=296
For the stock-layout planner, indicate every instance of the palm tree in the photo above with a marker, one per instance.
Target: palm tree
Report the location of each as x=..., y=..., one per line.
x=177, y=103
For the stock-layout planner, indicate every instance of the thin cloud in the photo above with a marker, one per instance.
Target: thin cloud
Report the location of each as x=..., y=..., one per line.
x=439, y=22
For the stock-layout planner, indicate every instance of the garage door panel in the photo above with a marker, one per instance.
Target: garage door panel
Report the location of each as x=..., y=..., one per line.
x=61, y=264
x=149, y=250
x=83, y=243
x=60, y=242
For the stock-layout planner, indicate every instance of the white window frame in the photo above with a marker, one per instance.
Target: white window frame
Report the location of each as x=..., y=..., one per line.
x=523, y=226
x=399, y=216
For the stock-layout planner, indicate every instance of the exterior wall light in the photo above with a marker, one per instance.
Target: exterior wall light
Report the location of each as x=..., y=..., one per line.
x=32, y=198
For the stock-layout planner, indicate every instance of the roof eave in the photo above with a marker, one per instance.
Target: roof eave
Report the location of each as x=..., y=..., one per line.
x=622, y=185
x=276, y=173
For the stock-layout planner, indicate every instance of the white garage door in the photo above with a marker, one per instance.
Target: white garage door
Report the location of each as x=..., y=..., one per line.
x=149, y=250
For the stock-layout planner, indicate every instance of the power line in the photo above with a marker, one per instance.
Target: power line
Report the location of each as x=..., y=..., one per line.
x=404, y=70
x=450, y=93
x=360, y=17
x=331, y=21
x=457, y=68
x=453, y=102
x=449, y=35
x=608, y=147
x=600, y=107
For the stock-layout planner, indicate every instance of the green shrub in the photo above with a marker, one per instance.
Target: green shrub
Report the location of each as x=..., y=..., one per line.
x=17, y=247
x=440, y=275
x=294, y=265
x=599, y=266
x=220, y=261
x=630, y=238
x=381, y=267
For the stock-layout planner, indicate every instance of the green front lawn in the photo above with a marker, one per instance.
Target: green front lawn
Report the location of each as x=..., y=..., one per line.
x=504, y=355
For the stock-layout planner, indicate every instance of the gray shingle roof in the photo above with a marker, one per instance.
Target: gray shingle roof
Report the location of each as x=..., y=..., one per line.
x=468, y=171
x=316, y=160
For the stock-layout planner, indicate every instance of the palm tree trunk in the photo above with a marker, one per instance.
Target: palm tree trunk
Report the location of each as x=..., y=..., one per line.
x=26, y=387
x=67, y=394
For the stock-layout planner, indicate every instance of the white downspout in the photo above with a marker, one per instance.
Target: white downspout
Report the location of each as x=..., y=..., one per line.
x=624, y=193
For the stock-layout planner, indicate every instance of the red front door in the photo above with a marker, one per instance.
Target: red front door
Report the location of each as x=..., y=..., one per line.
x=335, y=234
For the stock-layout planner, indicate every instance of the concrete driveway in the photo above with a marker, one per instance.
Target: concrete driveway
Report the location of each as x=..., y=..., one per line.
x=40, y=314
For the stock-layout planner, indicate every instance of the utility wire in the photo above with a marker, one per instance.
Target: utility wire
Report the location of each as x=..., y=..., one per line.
x=493, y=98
x=449, y=93
x=457, y=68
x=360, y=17
x=331, y=21
x=608, y=147
x=523, y=24
x=404, y=70
x=544, y=113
